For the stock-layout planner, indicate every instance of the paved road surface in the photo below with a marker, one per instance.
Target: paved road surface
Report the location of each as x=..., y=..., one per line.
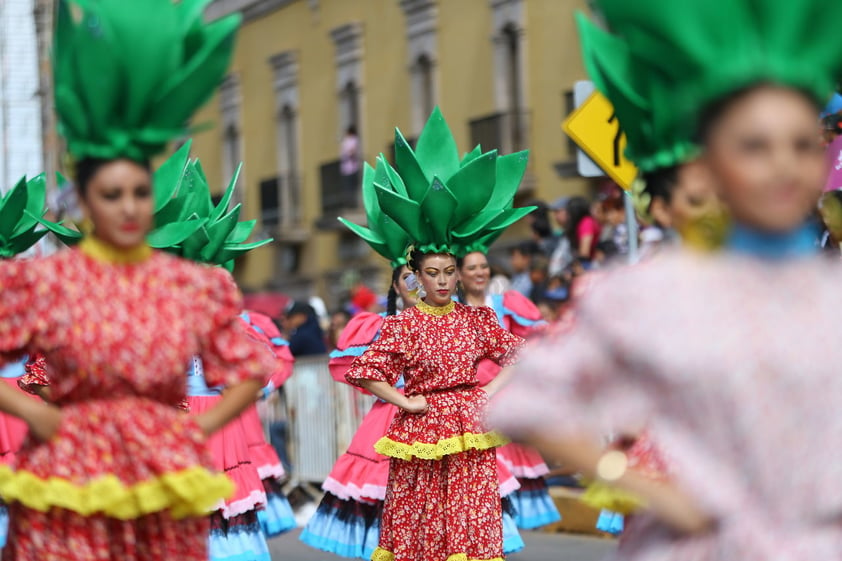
x=539, y=547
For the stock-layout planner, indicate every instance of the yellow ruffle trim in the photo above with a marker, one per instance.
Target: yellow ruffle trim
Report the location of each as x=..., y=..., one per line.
x=190, y=492
x=436, y=451
x=381, y=554
x=601, y=496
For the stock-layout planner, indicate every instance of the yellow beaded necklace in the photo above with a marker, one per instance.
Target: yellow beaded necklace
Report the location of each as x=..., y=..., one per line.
x=101, y=251
x=435, y=310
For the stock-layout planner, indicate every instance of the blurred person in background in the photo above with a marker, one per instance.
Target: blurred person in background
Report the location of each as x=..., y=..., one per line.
x=562, y=255
x=349, y=163
x=338, y=320
x=303, y=331
x=675, y=198
x=520, y=260
x=538, y=276
x=500, y=282
x=583, y=230
x=617, y=231
x=542, y=230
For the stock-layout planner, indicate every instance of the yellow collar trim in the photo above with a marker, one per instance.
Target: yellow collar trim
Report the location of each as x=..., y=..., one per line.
x=435, y=310
x=101, y=251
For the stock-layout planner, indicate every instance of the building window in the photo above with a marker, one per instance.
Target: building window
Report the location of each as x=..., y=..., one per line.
x=512, y=71
x=422, y=48
x=340, y=179
x=232, y=150
x=269, y=203
x=349, y=107
x=285, y=68
x=426, y=89
x=569, y=106
x=510, y=81
x=348, y=47
x=288, y=167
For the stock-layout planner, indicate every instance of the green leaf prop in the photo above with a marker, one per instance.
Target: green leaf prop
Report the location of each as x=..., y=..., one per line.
x=438, y=201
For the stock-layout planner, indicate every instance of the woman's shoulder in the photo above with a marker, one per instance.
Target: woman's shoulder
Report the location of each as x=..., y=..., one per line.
x=203, y=284
x=25, y=271
x=201, y=275
x=477, y=313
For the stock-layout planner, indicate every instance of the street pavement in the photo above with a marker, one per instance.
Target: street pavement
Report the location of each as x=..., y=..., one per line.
x=540, y=546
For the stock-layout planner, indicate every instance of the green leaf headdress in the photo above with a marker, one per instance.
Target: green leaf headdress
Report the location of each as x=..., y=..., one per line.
x=188, y=224
x=688, y=54
x=444, y=203
x=21, y=212
x=383, y=234
x=616, y=73
x=129, y=74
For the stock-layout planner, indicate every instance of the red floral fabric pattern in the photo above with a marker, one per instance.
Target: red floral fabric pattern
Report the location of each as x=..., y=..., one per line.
x=437, y=356
x=117, y=338
x=62, y=535
x=36, y=375
x=436, y=509
x=442, y=499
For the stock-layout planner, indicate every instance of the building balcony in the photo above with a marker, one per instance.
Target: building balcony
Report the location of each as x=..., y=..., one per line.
x=340, y=196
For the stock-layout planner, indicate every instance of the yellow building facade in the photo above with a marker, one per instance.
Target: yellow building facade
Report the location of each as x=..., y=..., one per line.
x=304, y=70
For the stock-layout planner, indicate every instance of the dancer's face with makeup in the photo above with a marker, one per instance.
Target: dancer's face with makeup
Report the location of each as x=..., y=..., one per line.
x=765, y=158
x=438, y=276
x=118, y=201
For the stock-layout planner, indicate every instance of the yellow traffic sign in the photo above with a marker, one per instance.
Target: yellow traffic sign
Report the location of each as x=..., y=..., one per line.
x=595, y=129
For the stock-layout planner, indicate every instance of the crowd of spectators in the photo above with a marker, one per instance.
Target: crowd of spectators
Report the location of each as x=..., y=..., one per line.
x=568, y=236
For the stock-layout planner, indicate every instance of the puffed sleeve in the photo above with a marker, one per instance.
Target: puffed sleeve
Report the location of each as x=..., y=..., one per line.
x=521, y=316
x=577, y=382
x=266, y=330
x=24, y=301
x=35, y=374
x=358, y=335
x=230, y=354
x=385, y=359
x=501, y=346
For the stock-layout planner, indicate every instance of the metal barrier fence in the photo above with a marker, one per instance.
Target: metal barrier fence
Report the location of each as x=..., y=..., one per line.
x=322, y=417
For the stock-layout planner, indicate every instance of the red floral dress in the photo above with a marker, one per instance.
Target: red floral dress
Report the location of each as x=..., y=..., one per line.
x=442, y=499
x=127, y=476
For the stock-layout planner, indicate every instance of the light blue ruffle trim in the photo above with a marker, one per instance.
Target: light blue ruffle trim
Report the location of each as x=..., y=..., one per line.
x=277, y=517
x=610, y=522
x=246, y=543
x=346, y=538
x=535, y=508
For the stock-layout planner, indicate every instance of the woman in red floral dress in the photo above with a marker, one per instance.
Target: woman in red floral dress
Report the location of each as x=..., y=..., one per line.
x=112, y=469
x=442, y=500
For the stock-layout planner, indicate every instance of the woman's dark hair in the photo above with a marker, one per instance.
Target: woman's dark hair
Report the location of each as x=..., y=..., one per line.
x=539, y=219
x=712, y=112
x=661, y=183
x=415, y=259
x=87, y=168
x=578, y=209
x=392, y=296
x=460, y=261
